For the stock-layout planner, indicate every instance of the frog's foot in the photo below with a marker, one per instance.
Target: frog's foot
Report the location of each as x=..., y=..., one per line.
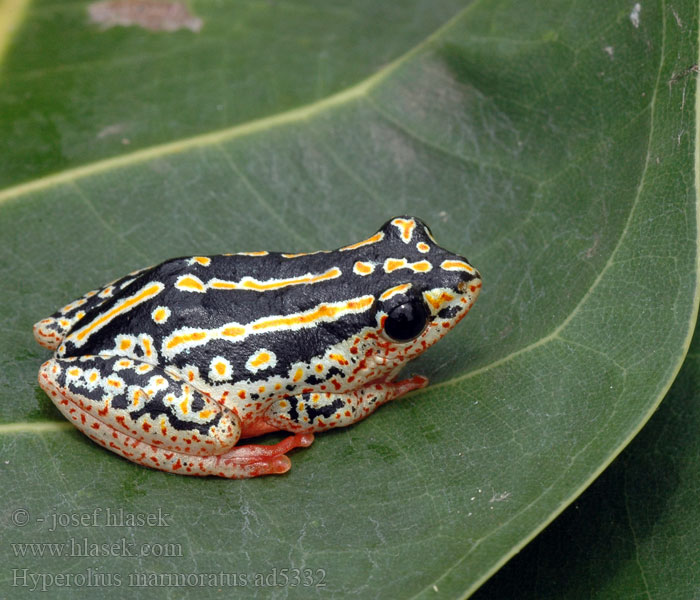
x=272, y=457
x=251, y=452
x=408, y=385
x=152, y=418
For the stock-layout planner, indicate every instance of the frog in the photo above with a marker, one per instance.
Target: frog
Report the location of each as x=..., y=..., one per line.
x=177, y=365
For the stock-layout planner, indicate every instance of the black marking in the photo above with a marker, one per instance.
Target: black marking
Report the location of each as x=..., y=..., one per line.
x=334, y=371
x=293, y=413
x=156, y=407
x=450, y=312
x=325, y=410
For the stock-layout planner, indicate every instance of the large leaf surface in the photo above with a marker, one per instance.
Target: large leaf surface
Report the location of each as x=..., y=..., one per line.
x=635, y=533
x=72, y=92
x=553, y=148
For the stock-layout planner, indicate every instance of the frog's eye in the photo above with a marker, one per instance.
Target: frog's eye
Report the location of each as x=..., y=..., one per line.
x=406, y=321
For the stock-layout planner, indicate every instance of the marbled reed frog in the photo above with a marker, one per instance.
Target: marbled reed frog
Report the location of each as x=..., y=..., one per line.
x=173, y=365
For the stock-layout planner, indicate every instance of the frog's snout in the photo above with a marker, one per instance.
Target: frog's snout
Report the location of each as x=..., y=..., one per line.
x=470, y=285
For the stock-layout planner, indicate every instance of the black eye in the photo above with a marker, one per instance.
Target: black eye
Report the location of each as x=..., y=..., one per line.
x=407, y=321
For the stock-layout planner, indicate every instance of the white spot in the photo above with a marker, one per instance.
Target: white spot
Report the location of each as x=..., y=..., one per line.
x=122, y=364
x=190, y=283
x=160, y=314
x=262, y=359
x=610, y=51
x=220, y=369
x=363, y=268
x=634, y=15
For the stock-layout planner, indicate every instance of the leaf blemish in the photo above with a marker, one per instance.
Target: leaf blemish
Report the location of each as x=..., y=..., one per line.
x=110, y=130
x=499, y=497
x=153, y=15
x=634, y=15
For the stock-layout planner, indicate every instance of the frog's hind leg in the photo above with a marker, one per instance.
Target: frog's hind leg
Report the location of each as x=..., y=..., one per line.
x=153, y=418
x=50, y=332
x=311, y=412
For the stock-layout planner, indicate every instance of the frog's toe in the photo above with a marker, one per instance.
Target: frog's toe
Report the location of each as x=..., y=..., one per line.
x=275, y=465
x=254, y=452
x=408, y=385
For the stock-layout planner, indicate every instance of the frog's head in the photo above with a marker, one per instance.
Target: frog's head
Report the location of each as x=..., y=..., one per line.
x=422, y=291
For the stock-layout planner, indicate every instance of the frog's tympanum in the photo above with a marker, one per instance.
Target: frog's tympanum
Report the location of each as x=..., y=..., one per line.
x=172, y=366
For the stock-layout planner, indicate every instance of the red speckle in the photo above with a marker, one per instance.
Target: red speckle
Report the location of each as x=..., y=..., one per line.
x=348, y=413
x=146, y=427
x=95, y=425
x=177, y=465
x=82, y=419
x=120, y=419
x=353, y=350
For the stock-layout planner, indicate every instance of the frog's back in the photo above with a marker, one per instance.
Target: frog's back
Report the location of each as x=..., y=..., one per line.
x=52, y=330
x=194, y=292
x=184, y=307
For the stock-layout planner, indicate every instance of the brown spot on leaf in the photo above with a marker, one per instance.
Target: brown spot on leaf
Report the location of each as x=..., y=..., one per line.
x=154, y=15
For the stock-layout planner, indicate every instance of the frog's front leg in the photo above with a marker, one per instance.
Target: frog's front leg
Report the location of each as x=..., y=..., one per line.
x=321, y=411
x=152, y=417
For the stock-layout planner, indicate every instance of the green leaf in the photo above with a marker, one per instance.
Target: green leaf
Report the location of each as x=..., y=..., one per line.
x=553, y=146
x=635, y=533
x=73, y=93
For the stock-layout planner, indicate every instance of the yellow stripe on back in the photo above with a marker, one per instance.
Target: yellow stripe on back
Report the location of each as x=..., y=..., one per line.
x=125, y=305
